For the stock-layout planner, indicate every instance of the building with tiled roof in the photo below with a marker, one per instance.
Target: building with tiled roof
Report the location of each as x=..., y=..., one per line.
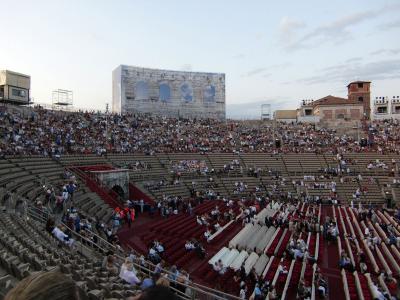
x=332, y=100
x=330, y=108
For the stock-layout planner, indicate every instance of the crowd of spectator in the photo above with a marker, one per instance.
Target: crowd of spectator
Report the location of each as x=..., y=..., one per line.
x=137, y=272
x=54, y=133
x=189, y=166
x=51, y=133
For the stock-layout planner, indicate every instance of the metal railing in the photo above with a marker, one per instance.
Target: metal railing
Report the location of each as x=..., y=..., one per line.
x=193, y=290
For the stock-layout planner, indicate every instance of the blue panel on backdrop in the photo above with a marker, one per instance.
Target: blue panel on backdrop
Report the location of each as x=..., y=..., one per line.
x=141, y=90
x=187, y=92
x=165, y=92
x=209, y=93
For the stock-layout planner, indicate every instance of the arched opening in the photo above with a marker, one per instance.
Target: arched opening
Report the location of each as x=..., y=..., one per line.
x=340, y=116
x=186, y=92
x=209, y=93
x=141, y=90
x=119, y=191
x=165, y=92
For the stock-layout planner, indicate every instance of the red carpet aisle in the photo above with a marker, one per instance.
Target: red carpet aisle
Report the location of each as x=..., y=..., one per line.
x=173, y=233
x=329, y=264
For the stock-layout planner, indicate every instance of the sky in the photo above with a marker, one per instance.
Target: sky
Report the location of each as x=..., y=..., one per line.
x=275, y=52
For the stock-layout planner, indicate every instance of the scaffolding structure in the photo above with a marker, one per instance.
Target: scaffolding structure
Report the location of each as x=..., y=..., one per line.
x=266, y=112
x=62, y=99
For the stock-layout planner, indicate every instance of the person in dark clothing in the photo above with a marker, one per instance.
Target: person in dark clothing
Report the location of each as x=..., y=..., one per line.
x=243, y=273
x=50, y=225
x=200, y=251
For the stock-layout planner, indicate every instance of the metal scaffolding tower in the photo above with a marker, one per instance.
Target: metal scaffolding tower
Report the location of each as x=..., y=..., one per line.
x=62, y=99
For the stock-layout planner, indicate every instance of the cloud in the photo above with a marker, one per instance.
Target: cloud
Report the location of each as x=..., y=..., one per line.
x=378, y=70
x=337, y=31
x=386, y=51
x=270, y=68
x=390, y=25
x=288, y=29
x=256, y=71
x=354, y=59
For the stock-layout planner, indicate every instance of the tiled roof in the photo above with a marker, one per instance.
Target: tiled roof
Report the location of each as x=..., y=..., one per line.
x=332, y=100
x=358, y=82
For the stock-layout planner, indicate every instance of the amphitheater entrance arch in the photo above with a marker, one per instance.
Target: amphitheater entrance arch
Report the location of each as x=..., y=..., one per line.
x=119, y=191
x=116, y=180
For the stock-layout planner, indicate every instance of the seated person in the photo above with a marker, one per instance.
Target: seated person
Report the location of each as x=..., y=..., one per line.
x=257, y=292
x=129, y=274
x=217, y=267
x=189, y=246
x=273, y=294
x=124, y=266
x=207, y=234
x=297, y=253
x=160, y=248
x=321, y=284
x=303, y=292
x=61, y=236
x=221, y=267
x=332, y=232
x=111, y=266
x=154, y=256
x=344, y=262
x=204, y=220
x=377, y=291
x=201, y=252
x=281, y=268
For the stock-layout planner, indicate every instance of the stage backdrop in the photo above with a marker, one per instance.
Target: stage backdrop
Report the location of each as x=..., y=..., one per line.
x=169, y=93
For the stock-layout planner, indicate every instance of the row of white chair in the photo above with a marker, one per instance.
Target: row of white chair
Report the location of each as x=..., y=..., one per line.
x=266, y=212
x=232, y=258
x=253, y=238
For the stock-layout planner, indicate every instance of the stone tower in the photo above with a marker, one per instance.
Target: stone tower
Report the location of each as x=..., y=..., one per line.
x=360, y=91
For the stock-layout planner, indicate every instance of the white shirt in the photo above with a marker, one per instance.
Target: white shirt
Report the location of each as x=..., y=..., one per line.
x=65, y=195
x=334, y=231
x=298, y=253
x=217, y=268
x=130, y=277
x=59, y=234
x=378, y=292
x=366, y=231
x=189, y=246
